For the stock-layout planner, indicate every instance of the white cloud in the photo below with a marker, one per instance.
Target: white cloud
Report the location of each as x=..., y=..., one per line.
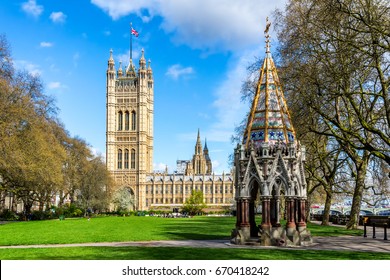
x=145, y=9
x=54, y=85
x=58, y=17
x=125, y=58
x=160, y=167
x=31, y=68
x=46, y=44
x=201, y=24
x=76, y=58
x=32, y=8
x=176, y=71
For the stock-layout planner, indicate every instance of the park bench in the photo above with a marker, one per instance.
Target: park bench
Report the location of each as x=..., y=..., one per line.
x=376, y=221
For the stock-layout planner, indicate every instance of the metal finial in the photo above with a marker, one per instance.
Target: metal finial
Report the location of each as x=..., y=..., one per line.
x=267, y=36
x=267, y=26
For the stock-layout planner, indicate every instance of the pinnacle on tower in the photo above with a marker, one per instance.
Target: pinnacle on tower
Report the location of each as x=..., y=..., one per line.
x=120, y=71
x=142, y=61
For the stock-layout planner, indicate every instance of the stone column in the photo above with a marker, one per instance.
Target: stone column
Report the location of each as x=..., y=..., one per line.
x=266, y=217
x=301, y=213
x=290, y=213
x=244, y=212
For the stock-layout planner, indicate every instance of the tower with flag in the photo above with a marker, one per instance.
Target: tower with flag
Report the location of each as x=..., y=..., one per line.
x=129, y=148
x=129, y=125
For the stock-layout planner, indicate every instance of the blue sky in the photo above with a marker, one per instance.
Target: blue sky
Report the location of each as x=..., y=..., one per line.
x=199, y=51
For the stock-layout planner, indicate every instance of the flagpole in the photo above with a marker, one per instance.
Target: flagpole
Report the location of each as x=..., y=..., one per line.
x=131, y=43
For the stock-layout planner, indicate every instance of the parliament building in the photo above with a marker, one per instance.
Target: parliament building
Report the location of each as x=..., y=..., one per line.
x=129, y=147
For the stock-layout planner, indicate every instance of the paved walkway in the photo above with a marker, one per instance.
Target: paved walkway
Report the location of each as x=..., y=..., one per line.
x=350, y=243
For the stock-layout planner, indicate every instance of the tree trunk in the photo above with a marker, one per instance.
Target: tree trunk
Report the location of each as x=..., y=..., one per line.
x=328, y=202
x=361, y=171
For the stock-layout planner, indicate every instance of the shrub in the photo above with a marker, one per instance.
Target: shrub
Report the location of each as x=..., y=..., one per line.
x=8, y=215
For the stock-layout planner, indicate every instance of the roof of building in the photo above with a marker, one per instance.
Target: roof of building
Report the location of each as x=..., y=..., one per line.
x=269, y=119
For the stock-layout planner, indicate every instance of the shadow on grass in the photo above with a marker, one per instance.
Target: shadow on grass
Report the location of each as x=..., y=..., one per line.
x=199, y=229
x=182, y=253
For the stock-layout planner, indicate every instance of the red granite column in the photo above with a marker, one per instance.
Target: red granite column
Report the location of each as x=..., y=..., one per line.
x=290, y=213
x=301, y=213
x=266, y=217
x=245, y=212
x=277, y=213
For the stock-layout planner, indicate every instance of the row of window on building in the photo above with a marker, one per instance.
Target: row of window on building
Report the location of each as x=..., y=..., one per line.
x=181, y=201
x=126, y=122
x=188, y=189
x=123, y=159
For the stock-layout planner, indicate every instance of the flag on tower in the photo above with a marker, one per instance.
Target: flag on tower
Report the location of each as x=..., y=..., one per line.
x=134, y=32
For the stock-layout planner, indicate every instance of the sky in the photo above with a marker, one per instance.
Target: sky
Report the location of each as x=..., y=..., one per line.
x=199, y=51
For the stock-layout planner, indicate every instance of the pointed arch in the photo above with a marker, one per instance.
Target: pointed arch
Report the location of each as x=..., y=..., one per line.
x=119, y=159
x=277, y=183
x=120, y=120
x=126, y=160
x=127, y=120
x=132, y=159
x=133, y=120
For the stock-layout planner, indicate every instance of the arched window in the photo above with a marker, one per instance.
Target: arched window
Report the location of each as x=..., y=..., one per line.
x=132, y=159
x=127, y=121
x=120, y=120
x=133, y=120
x=119, y=159
x=126, y=159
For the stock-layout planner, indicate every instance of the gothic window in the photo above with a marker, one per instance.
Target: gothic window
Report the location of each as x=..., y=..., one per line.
x=133, y=120
x=126, y=159
x=120, y=120
x=132, y=159
x=119, y=159
x=127, y=121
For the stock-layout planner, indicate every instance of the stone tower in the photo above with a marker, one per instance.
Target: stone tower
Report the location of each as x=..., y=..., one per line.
x=269, y=171
x=201, y=162
x=129, y=127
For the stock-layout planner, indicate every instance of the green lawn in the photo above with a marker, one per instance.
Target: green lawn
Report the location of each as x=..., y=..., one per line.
x=115, y=229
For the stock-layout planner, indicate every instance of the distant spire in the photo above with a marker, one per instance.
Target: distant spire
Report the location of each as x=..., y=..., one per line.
x=198, y=146
x=205, y=145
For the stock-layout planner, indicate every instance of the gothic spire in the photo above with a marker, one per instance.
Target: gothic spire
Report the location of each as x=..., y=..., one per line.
x=198, y=145
x=269, y=119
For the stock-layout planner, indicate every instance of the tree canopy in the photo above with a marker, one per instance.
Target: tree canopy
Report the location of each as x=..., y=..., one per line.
x=38, y=158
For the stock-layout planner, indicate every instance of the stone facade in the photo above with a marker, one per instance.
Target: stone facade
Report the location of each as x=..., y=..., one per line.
x=129, y=147
x=129, y=135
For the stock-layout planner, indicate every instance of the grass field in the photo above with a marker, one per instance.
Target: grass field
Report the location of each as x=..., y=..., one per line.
x=115, y=229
